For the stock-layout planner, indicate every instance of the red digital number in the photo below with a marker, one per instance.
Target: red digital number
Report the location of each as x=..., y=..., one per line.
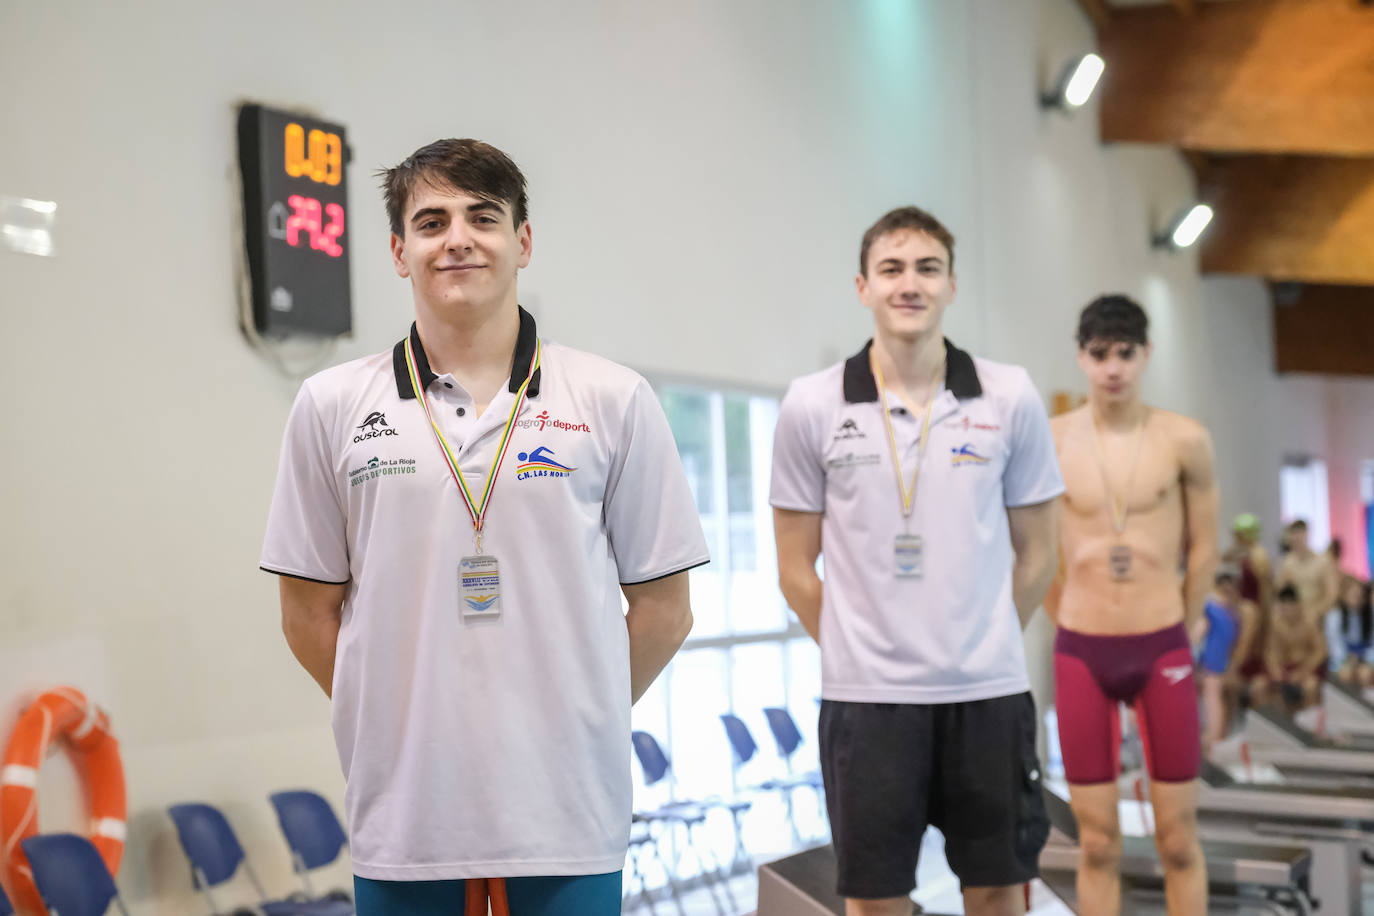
x=330, y=240
x=306, y=217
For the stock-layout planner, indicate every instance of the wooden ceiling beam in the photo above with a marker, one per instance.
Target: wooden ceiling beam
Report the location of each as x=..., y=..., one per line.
x=1326, y=329
x=1308, y=219
x=1285, y=76
x=1097, y=11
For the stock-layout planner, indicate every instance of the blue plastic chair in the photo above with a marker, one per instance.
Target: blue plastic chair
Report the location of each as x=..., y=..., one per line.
x=788, y=738
x=691, y=815
x=746, y=749
x=5, y=908
x=215, y=856
x=313, y=833
x=70, y=875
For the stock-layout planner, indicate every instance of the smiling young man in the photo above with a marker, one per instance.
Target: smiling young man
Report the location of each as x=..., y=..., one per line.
x=454, y=523
x=928, y=478
x=1141, y=502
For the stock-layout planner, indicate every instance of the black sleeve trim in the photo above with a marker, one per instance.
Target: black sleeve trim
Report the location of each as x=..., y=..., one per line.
x=278, y=572
x=667, y=574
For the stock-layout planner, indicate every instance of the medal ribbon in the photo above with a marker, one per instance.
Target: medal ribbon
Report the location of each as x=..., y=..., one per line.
x=477, y=509
x=1118, y=512
x=908, y=495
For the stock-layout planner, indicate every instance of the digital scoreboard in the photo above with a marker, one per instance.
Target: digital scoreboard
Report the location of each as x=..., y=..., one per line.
x=295, y=220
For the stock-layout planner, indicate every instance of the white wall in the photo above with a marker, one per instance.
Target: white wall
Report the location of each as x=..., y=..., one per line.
x=700, y=176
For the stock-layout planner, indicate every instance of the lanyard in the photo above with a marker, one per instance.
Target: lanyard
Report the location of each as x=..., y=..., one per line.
x=1118, y=511
x=477, y=510
x=908, y=495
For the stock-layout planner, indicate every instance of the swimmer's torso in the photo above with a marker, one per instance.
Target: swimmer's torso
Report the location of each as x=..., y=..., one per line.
x=1151, y=597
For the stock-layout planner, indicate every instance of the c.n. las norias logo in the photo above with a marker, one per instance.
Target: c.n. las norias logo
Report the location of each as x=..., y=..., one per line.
x=540, y=462
x=373, y=426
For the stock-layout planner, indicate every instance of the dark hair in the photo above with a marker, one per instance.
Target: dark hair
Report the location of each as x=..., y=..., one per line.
x=1225, y=577
x=912, y=219
x=1336, y=548
x=1287, y=593
x=1115, y=318
x=478, y=168
x=1365, y=610
x=1298, y=525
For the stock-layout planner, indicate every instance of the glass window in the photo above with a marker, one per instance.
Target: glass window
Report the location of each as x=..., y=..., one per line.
x=726, y=442
x=699, y=693
x=746, y=651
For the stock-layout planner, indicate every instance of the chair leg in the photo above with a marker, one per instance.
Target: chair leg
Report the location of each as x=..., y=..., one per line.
x=741, y=854
x=709, y=877
x=718, y=873
x=788, y=802
x=638, y=875
x=668, y=873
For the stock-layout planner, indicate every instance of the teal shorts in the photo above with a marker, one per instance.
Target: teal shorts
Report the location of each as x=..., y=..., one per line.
x=586, y=895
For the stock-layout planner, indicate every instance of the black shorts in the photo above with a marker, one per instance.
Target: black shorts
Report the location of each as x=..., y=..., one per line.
x=969, y=769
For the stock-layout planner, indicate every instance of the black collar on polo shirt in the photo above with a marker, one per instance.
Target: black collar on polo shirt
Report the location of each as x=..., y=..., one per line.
x=961, y=377
x=524, y=355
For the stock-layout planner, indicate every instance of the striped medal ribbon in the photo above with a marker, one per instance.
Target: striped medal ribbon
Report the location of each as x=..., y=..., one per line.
x=477, y=508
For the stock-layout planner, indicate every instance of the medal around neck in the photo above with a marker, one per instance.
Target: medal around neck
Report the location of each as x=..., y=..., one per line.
x=479, y=586
x=909, y=556
x=479, y=575
x=1119, y=510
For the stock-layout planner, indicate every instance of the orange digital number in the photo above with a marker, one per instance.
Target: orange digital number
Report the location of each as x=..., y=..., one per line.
x=319, y=158
x=296, y=165
x=333, y=159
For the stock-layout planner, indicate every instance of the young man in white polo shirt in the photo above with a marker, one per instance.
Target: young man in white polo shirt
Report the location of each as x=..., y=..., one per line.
x=929, y=479
x=454, y=522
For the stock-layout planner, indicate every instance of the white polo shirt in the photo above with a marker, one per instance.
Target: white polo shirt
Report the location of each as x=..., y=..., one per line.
x=951, y=636
x=475, y=747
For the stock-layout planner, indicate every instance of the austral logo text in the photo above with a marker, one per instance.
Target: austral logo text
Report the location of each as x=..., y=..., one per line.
x=373, y=426
x=849, y=430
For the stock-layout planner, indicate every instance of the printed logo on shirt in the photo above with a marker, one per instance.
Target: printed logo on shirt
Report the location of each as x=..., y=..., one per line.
x=373, y=426
x=851, y=460
x=540, y=463
x=542, y=419
x=985, y=427
x=965, y=455
x=848, y=430
x=1176, y=674
x=379, y=467
x=481, y=604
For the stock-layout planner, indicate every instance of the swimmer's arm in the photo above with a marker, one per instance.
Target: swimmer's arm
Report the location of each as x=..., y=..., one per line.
x=1248, y=615
x=1259, y=563
x=1317, y=655
x=1202, y=506
x=798, y=537
x=1273, y=658
x=310, y=615
x=1201, y=628
x=1055, y=592
x=1331, y=590
x=1034, y=538
x=659, y=619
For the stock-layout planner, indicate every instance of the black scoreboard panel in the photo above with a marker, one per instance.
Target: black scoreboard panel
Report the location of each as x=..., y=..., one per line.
x=295, y=203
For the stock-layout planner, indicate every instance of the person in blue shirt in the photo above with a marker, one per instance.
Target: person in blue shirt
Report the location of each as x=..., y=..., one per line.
x=1222, y=622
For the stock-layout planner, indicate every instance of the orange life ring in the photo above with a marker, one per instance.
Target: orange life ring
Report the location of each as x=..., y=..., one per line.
x=63, y=711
